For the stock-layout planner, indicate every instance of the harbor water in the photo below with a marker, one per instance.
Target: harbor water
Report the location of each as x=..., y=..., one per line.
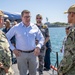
x=57, y=35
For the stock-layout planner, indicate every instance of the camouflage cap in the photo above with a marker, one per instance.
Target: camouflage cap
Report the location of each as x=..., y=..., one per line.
x=71, y=9
x=1, y=13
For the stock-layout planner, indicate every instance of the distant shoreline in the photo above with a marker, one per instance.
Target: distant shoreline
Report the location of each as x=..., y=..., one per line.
x=56, y=26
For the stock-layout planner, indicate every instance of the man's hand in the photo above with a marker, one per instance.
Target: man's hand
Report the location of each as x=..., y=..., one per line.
x=1, y=66
x=16, y=52
x=37, y=51
x=5, y=69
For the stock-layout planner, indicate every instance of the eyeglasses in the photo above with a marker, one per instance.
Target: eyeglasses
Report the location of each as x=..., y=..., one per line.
x=39, y=18
x=27, y=16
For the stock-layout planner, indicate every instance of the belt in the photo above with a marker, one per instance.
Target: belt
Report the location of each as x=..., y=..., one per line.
x=26, y=51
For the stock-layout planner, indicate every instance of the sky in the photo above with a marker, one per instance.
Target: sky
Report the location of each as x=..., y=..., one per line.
x=53, y=9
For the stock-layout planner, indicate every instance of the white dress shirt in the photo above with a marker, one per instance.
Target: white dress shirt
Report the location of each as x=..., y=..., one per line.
x=25, y=37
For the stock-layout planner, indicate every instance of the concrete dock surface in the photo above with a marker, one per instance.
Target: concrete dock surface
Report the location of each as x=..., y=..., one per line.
x=16, y=72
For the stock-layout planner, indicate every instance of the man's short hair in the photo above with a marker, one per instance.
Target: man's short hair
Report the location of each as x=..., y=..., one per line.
x=24, y=11
x=39, y=16
x=7, y=20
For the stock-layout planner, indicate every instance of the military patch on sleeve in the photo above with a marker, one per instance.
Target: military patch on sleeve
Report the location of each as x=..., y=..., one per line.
x=44, y=26
x=73, y=29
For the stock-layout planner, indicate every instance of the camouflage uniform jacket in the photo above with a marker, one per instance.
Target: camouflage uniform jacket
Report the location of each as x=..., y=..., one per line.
x=45, y=32
x=67, y=65
x=5, y=55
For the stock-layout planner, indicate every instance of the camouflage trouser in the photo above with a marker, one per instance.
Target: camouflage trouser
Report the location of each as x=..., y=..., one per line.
x=41, y=59
x=71, y=71
x=2, y=72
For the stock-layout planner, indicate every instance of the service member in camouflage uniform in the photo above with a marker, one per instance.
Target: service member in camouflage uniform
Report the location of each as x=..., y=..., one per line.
x=67, y=65
x=5, y=60
x=67, y=30
x=45, y=32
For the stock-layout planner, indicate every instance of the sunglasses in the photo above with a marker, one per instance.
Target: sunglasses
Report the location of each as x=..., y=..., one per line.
x=27, y=16
x=39, y=18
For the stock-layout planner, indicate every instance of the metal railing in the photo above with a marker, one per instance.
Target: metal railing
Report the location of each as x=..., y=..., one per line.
x=56, y=63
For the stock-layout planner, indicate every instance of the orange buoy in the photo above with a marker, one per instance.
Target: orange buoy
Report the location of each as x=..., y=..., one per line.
x=51, y=66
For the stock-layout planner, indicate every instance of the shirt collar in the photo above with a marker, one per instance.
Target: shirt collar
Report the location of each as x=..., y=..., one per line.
x=31, y=24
